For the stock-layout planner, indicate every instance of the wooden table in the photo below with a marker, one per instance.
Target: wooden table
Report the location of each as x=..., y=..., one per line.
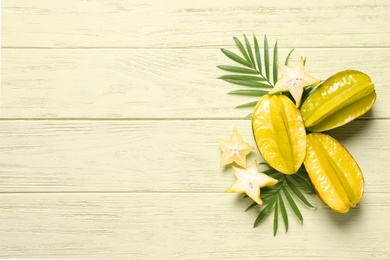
x=110, y=111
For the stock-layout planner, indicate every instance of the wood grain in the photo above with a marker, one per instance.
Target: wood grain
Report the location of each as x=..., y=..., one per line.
x=176, y=23
x=183, y=226
x=153, y=83
x=150, y=156
x=109, y=115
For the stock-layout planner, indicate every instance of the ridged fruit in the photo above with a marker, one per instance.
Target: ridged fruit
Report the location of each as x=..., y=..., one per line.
x=338, y=100
x=279, y=133
x=334, y=173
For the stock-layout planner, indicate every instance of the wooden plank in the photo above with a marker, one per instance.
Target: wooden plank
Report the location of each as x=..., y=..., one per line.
x=176, y=23
x=148, y=83
x=183, y=226
x=151, y=156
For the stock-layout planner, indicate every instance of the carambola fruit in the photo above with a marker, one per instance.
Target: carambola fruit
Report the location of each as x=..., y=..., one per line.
x=334, y=173
x=338, y=100
x=279, y=133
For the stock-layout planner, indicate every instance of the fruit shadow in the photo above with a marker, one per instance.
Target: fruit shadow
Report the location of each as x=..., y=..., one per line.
x=354, y=129
x=348, y=133
x=347, y=221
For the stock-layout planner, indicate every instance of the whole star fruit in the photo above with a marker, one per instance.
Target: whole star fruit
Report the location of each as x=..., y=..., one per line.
x=338, y=100
x=279, y=133
x=334, y=173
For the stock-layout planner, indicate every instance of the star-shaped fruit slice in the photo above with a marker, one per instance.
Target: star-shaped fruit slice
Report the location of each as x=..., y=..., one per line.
x=250, y=181
x=294, y=79
x=234, y=150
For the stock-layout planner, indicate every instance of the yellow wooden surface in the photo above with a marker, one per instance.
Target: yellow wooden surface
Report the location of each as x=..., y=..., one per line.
x=109, y=115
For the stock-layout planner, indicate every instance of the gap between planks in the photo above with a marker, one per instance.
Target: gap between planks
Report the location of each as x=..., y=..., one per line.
x=116, y=192
x=204, y=47
x=135, y=192
x=150, y=119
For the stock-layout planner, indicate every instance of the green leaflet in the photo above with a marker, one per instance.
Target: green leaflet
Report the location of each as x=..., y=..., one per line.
x=247, y=83
x=249, y=92
x=258, y=55
x=236, y=58
x=275, y=63
x=251, y=206
x=266, y=57
x=305, y=184
x=298, y=192
x=249, y=49
x=244, y=77
x=288, y=57
x=292, y=204
x=237, y=69
x=243, y=51
x=274, y=187
x=248, y=116
x=283, y=211
x=278, y=176
x=250, y=104
x=264, y=212
x=276, y=217
x=270, y=171
x=268, y=197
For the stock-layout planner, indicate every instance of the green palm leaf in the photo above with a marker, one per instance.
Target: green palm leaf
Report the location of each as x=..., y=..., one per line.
x=272, y=197
x=252, y=61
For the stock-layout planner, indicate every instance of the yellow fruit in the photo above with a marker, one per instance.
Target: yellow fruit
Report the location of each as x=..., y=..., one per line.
x=338, y=100
x=333, y=172
x=279, y=133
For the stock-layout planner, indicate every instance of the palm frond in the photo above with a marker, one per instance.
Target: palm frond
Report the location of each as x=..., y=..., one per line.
x=254, y=68
x=273, y=199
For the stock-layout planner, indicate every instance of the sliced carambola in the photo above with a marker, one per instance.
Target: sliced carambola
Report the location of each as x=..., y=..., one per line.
x=338, y=100
x=279, y=133
x=333, y=172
